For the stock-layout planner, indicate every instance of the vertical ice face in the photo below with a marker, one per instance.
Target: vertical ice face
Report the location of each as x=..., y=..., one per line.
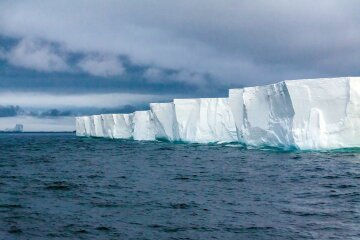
x=80, y=127
x=205, y=120
x=216, y=122
x=87, y=124
x=236, y=103
x=98, y=126
x=268, y=115
x=350, y=135
x=144, y=127
x=187, y=115
x=166, y=127
x=108, y=125
x=326, y=112
x=90, y=123
x=123, y=126
x=307, y=114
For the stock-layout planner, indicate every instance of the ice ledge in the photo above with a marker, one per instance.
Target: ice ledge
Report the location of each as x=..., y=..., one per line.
x=309, y=114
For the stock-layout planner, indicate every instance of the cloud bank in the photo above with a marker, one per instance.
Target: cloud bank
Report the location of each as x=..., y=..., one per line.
x=102, y=66
x=234, y=42
x=10, y=111
x=33, y=54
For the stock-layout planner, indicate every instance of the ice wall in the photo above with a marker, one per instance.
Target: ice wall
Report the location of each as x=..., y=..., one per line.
x=164, y=117
x=326, y=112
x=98, y=126
x=236, y=103
x=144, y=127
x=306, y=114
x=267, y=116
x=123, y=126
x=80, y=127
x=303, y=114
x=108, y=125
x=205, y=120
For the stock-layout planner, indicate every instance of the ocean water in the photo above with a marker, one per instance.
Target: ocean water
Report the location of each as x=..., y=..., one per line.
x=58, y=186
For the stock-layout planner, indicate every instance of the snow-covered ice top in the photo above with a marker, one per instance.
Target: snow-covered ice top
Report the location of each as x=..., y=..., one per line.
x=303, y=114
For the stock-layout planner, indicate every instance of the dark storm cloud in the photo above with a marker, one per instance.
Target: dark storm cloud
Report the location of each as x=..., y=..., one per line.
x=13, y=111
x=188, y=47
x=53, y=113
x=9, y=111
x=92, y=73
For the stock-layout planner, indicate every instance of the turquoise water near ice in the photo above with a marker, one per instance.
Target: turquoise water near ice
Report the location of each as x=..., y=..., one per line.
x=58, y=186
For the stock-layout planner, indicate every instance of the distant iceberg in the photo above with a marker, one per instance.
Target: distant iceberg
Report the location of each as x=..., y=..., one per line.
x=308, y=114
x=17, y=129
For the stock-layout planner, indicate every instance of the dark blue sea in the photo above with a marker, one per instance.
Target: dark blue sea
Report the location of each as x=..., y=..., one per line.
x=58, y=186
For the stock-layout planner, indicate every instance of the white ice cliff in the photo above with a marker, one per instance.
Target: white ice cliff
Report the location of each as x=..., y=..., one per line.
x=143, y=126
x=308, y=114
x=123, y=126
x=108, y=125
x=165, y=123
x=205, y=120
x=263, y=115
x=327, y=112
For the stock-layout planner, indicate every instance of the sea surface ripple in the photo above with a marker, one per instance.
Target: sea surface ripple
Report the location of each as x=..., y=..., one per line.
x=58, y=186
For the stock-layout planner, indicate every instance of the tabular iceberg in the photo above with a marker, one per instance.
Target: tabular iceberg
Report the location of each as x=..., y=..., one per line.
x=108, y=125
x=264, y=115
x=123, y=126
x=80, y=127
x=205, y=120
x=301, y=114
x=327, y=112
x=144, y=127
x=98, y=126
x=165, y=121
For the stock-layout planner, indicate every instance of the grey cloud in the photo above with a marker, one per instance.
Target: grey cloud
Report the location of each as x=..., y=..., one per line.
x=56, y=113
x=234, y=42
x=14, y=111
x=10, y=111
x=37, y=55
x=103, y=100
x=2, y=54
x=44, y=56
x=102, y=66
x=156, y=75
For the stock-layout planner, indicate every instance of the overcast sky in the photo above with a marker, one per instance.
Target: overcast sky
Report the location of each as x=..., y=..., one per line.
x=87, y=56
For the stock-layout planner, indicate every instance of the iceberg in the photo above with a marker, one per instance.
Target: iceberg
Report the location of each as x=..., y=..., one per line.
x=205, y=120
x=108, y=125
x=80, y=127
x=327, y=112
x=144, y=127
x=84, y=126
x=264, y=115
x=306, y=114
x=236, y=104
x=165, y=122
x=88, y=125
x=123, y=126
x=98, y=126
